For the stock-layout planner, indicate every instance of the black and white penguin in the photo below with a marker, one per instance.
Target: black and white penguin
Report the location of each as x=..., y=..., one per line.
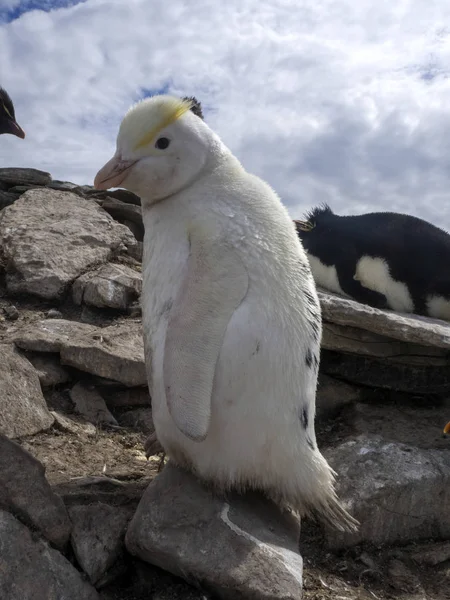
x=384, y=259
x=8, y=123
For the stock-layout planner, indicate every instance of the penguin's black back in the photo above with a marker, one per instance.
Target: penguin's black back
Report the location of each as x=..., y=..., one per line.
x=416, y=252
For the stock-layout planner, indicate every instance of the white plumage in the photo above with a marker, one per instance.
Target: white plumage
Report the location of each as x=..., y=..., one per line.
x=231, y=318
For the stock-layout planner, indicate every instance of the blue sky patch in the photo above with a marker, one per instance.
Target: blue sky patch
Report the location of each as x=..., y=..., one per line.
x=11, y=14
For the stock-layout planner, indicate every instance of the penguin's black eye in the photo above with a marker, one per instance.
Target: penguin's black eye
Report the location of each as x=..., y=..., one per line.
x=162, y=143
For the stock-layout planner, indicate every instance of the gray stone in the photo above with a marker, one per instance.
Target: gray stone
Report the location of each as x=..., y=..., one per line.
x=138, y=418
x=122, y=211
x=333, y=394
x=120, y=194
x=49, y=369
x=115, y=352
x=379, y=373
x=408, y=328
x=25, y=492
x=98, y=537
x=64, y=186
x=23, y=410
x=19, y=176
x=50, y=238
x=21, y=189
x=396, y=491
x=365, y=343
x=435, y=554
x=90, y=405
x=54, y=313
x=240, y=548
x=112, y=286
x=11, y=312
x=31, y=570
x=136, y=396
x=7, y=198
x=73, y=424
x=401, y=578
x=137, y=229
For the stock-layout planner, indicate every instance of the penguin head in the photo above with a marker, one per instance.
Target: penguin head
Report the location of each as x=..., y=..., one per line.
x=8, y=123
x=317, y=222
x=162, y=147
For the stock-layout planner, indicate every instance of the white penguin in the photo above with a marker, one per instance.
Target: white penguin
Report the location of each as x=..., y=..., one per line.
x=231, y=318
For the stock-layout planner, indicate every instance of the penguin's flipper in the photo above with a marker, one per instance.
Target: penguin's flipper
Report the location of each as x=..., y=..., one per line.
x=214, y=284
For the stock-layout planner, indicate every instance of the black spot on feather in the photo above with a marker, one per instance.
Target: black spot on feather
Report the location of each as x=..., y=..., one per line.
x=304, y=417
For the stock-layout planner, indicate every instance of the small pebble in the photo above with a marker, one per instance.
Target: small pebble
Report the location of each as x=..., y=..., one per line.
x=54, y=313
x=11, y=312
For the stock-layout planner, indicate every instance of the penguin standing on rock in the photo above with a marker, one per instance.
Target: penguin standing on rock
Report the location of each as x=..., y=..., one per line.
x=231, y=318
x=8, y=123
x=385, y=260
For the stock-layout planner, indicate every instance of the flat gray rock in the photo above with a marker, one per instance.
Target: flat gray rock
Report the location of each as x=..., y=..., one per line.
x=90, y=405
x=19, y=176
x=122, y=211
x=408, y=328
x=31, y=570
x=111, y=286
x=23, y=410
x=138, y=418
x=397, y=492
x=7, y=198
x=98, y=537
x=344, y=338
x=241, y=548
x=49, y=238
x=25, y=492
x=49, y=369
x=115, y=352
x=333, y=394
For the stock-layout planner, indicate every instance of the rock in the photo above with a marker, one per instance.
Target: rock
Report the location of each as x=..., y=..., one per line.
x=7, y=198
x=90, y=405
x=404, y=580
x=10, y=311
x=19, y=176
x=434, y=555
x=138, y=418
x=21, y=189
x=135, y=396
x=50, y=238
x=396, y=491
x=115, y=352
x=118, y=354
x=137, y=229
x=378, y=373
x=64, y=186
x=54, y=313
x=408, y=328
x=25, y=492
x=73, y=424
x=365, y=343
x=49, y=369
x=98, y=537
x=120, y=194
x=33, y=571
x=136, y=251
x=239, y=548
x=112, y=286
x=123, y=211
x=23, y=410
x=333, y=394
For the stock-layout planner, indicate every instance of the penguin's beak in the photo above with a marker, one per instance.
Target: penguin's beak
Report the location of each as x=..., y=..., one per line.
x=14, y=129
x=303, y=225
x=447, y=428
x=113, y=173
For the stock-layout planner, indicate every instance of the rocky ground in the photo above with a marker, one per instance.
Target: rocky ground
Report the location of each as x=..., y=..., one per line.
x=74, y=397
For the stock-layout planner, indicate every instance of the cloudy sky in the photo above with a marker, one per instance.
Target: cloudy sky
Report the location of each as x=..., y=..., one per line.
x=344, y=101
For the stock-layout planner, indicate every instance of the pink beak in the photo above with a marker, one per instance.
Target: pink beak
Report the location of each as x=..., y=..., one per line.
x=113, y=173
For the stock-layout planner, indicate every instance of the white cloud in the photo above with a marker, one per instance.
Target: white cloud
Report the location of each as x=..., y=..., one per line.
x=332, y=101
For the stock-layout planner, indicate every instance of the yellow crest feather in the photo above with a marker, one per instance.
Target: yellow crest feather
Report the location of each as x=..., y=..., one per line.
x=167, y=111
